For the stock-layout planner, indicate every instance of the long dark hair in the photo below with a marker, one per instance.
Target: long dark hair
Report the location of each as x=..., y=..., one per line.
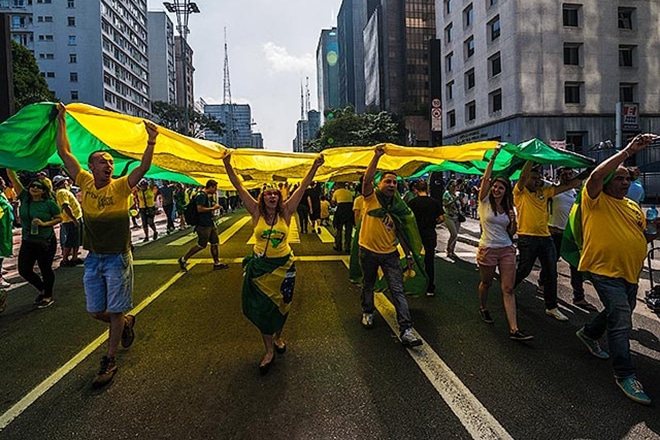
x=507, y=199
x=262, y=204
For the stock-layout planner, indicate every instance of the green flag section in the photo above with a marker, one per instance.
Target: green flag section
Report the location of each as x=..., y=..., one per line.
x=28, y=143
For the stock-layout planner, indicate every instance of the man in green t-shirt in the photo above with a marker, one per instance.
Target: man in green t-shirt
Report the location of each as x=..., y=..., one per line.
x=108, y=278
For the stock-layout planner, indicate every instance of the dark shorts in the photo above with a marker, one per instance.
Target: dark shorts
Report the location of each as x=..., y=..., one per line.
x=207, y=234
x=70, y=234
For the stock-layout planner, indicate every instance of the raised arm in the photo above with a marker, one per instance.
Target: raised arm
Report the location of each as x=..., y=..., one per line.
x=370, y=173
x=573, y=183
x=139, y=171
x=15, y=182
x=250, y=203
x=485, y=180
x=596, y=180
x=524, y=175
x=63, y=146
x=294, y=199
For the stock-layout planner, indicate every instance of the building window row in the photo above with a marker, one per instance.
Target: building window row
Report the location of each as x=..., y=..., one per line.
x=572, y=16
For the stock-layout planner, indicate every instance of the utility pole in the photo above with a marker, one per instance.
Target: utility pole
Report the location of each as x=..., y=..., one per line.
x=183, y=9
x=6, y=76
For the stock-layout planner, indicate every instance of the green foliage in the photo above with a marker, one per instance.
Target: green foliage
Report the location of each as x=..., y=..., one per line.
x=29, y=86
x=173, y=117
x=345, y=128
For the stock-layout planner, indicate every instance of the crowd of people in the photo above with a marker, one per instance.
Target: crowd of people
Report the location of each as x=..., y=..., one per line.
x=520, y=224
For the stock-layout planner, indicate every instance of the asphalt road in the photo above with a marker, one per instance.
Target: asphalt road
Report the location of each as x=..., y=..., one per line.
x=192, y=371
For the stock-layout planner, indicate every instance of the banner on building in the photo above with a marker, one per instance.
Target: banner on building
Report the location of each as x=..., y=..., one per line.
x=630, y=116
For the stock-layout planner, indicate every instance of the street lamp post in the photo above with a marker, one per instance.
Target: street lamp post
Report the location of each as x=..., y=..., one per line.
x=183, y=9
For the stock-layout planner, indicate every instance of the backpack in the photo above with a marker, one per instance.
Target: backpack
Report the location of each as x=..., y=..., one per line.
x=190, y=214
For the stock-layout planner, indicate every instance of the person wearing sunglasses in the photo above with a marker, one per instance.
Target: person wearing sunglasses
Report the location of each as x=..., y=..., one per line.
x=614, y=247
x=39, y=212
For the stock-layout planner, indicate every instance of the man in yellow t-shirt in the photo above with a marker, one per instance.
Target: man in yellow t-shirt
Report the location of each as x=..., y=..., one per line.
x=71, y=227
x=531, y=197
x=377, y=239
x=108, y=277
x=614, y=247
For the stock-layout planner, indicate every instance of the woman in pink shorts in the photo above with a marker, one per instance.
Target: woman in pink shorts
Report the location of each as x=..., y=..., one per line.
x=498, y=225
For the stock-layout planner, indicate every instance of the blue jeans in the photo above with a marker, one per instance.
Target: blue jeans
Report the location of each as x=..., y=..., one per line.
x=108, y=282
x=530, y=248
x=619, y=298
x=389, y=263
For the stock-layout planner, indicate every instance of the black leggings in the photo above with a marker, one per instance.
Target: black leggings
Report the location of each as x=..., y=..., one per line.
x=44, y=254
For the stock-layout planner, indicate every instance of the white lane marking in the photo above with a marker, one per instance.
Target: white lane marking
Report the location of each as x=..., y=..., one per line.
x=192, y=235
x=50, y=381
x=472, y=414
x=233, y=229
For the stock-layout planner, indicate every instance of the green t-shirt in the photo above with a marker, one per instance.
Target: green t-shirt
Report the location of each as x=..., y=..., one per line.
x=44, y=210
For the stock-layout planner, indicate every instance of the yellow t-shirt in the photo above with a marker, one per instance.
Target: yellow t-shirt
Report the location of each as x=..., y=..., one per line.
x=532, y=210
x=325, y=209
x=614, y=244
x=278, y=245
x=66, y=197
x=342, y=195
x=376, y=234
x=105, y=214
x=146, y=197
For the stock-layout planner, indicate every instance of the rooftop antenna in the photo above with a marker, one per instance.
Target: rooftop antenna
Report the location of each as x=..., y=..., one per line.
x=230, y=123
x=307, y=102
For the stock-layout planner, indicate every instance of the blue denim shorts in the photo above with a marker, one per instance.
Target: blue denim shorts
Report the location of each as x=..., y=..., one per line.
x=108, y=282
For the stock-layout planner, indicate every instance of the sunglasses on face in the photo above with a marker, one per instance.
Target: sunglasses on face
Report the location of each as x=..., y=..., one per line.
x=34, y=185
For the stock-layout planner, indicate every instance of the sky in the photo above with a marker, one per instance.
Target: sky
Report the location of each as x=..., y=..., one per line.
x=272, y=51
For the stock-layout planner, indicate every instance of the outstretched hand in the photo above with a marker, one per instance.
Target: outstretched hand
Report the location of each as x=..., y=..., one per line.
x=320, y=160
x=379, y=151
x=152, y=130
x=641, y=141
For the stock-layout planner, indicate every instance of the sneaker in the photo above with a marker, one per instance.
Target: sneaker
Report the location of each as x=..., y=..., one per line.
x=155, y=235
x=633, y=390
x=106, y=372
x=367, y=320
x=555, y=313
x=183, y=265
x=4, y=283
x=146, y=239
x=518, y=335
x=128, y=334
x=46, y=302
x=485, y=316
x=430, y=294
x=220, y=266
x=38, y=299
x=3, y=300
x=592, y=345
x=408, y=338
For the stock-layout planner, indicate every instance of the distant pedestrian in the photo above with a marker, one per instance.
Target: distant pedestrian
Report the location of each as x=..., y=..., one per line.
x=303, y=212
x=313, y=196
x=39, y=213
x=325, y=211
x=428, y=213
x=206, y=230
x=71, y=228
x=146, y=196
x=108, y=277
x=451, y=203
x=180, y=204
x=6, y=231
x=269, y=278
x=343, y=221
x=636, y=190
x=166, y=196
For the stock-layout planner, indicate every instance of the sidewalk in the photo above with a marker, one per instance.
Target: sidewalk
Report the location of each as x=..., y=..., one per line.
x=9, y=265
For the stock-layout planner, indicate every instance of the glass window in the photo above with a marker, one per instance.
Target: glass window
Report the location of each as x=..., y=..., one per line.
x=451, y=118
x=572, y=54
x=469, y=47
x=72, y=40
x=627, y=92
x=626, y=18
x=74, y=95
x=626, y=54
x=576, y=140
x=494, y=28
x=468, y=15
x=71, y=21
x=571, y=15
x=495, y=65
x=449, y=62
x=470, y=111
x=73, y=77
x=449, y=31
x=495, y=101
x=469, y=79
x=449, y=91
x=73, y=58
x=572, y=93
x=447, y=6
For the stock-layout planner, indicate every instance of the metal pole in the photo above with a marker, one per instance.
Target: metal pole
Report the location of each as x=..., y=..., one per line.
x=6, y=72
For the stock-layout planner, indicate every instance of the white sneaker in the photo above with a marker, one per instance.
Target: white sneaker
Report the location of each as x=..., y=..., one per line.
x=4, y=284
x=555, y=313
x=408, y=338
x=367, y=320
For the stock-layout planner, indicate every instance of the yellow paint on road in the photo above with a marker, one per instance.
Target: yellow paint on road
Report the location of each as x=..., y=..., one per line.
x=193, y=235
x=233, y=229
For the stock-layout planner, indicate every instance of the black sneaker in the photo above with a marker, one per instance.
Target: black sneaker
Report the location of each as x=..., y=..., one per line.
x=128, y=334
x=520, y=336
x=106, y=372
x=220, y=266
x=485, y=316
x=38, y=299
x=183, y=265
x=46, y=302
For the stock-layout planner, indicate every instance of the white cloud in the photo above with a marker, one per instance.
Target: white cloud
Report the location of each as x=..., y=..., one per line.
x=281, y=61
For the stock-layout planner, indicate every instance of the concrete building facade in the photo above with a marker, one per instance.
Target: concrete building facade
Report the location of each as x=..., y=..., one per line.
x=94, y=51
x=162, y=63
x=513, y=70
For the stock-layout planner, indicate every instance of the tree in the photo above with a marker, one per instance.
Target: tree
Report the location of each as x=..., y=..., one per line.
x=172, y=117
x=345, y=128
x=29, y=85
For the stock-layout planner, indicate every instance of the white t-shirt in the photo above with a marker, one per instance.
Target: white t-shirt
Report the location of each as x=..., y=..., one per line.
x=493, y=227
x=561, y=207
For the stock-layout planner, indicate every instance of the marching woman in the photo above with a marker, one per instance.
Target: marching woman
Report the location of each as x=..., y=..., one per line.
x=39, y=213
x=498, y=225
x=269, y=271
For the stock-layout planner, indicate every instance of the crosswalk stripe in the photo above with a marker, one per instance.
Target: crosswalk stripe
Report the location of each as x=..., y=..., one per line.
x=233, y=229
x=192, y=235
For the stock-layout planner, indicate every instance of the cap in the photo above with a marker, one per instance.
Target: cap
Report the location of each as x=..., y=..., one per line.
x=58, y=179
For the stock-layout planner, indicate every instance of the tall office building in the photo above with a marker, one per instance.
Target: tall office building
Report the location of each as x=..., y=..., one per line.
x=351, y=20
x=327, y=70
x=94, y=51
x=238, y=124
x=397, y=43
x=257, y=141
x=516, y=69
x=185, y=71
x=307, y=130
x=162, y=67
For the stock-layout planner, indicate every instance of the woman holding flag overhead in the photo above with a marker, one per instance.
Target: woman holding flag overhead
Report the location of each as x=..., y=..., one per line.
x=269, y=271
